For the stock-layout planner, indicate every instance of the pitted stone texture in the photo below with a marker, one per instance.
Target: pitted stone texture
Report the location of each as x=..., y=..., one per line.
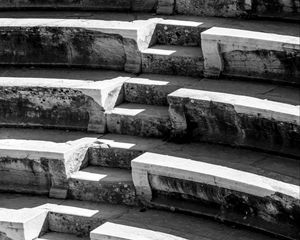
x=235, y=120
x=173, y=60
x=180, y=33
x=224, y=8
x=68, y=4
x=111, y=45
x=139, y=120
x=63, y=108
x=152, y=89
x=98, y=184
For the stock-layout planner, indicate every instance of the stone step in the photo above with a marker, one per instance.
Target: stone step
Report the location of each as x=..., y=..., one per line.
x=179, y=32
x=153, y=89
x=80, y=218
x=219, y=192
x=282, y=10
x=277, y=10
x=234, y=119
x=117, y=151
x=100, y=184
x=87, y=5
x=251, y=54
x=89, y=43
x=173, y=60
x=61, y=236
x=41, y=161
x=139, y=119
x=67, y=102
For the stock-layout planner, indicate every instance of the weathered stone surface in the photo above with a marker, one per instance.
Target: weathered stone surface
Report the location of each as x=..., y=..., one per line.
x=217, y=191
x=253, y=54
x=174, y=60
x=51, y=108
x=224, y=8
x=144, y=5
x=103, y=185
x=22, y=224
x=106, y=156
x=165, y=7
x=40, y=167
x=235, y=120
x=278, y=214
x=172, y=32
x=75, y=42
x=68, y=4
x=275, y=7
x=139, y=120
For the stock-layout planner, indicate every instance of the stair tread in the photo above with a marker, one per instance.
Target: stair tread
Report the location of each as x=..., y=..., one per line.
x=102, y=174
x=132, y=109
x=246, y=24
x=276, y=167
x=260, y=90
x=170, y=50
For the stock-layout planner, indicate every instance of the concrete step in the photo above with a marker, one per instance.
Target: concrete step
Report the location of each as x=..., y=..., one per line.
x=41, y=161
x=139, y=120
x=100, y=184
x=234, y=119
x=174, y=60
x=219, y=192
x=59, y=98
x=89, y=43
x=80, y=218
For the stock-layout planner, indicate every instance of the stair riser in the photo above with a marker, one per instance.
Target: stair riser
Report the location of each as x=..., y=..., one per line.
x=172, y=65
x=112, y=157
x=63, y=46
x=239, y=8
x=215, y=122
x=167, y=34
x=103, y=5
x=138, y=126
x=50, y=108
x=114, y=193
x=73, y=224
x=148, y=94
x=277, y=214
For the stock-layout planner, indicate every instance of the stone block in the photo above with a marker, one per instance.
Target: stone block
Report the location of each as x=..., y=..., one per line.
x=240, y=53
x=217, y=191
x=23, y=224
x=235, y=120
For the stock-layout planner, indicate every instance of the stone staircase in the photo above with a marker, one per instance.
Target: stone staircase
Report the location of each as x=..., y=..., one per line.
x=115, y=124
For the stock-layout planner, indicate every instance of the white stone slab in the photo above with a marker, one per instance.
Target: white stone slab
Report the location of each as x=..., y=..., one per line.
x=23, y=224
x=113, y=231
x=205, y=173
